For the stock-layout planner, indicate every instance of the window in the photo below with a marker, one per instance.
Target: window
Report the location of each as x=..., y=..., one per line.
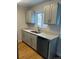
x=39, y=19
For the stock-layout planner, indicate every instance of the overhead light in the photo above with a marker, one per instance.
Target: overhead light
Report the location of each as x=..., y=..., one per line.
x=18, y=1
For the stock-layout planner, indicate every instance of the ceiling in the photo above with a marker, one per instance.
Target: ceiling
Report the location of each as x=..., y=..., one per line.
x=28, y=3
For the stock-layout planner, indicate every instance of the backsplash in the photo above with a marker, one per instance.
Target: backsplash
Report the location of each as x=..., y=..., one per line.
x=52, y=28
x=30, y=26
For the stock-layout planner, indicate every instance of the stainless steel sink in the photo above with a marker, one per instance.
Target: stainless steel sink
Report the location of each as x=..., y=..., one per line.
x=35, y=32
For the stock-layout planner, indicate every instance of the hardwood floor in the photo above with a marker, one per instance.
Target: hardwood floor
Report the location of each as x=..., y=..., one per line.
x=26, y=52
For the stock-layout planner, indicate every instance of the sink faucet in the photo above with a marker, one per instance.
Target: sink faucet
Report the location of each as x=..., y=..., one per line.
x=39, y=29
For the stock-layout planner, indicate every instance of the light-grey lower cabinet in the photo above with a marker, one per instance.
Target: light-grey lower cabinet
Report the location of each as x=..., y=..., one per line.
x=30, y=39
x=25, y=37
x=47, y=48
x=33, y=40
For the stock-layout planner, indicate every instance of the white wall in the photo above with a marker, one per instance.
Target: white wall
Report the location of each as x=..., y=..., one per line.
x=20, y=21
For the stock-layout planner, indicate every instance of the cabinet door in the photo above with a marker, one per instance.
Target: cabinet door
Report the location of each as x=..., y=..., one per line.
x=30, y=17
x=26, y=37
x=33, y=40
x=46, y=14
x=50, y=12
x=52, y=48
x=58, y=52
x=53, y=13
x=43, y=46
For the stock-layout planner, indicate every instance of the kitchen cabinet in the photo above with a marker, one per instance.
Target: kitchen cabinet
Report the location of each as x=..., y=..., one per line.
x=50, y=12
x=47, y=48
x=54, y=7
x=30, y=17
x=42, y=46
x=30, y=39
x=58, y=52
x=47, y=14
x=33, y=40
x=25, y=37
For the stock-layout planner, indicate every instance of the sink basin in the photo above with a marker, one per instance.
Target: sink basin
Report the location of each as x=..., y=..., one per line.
x=35, y=32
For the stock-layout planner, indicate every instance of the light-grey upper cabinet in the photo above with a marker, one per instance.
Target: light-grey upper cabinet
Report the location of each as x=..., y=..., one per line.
x=50, y=12
x=46, y=14
x=30, y=17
